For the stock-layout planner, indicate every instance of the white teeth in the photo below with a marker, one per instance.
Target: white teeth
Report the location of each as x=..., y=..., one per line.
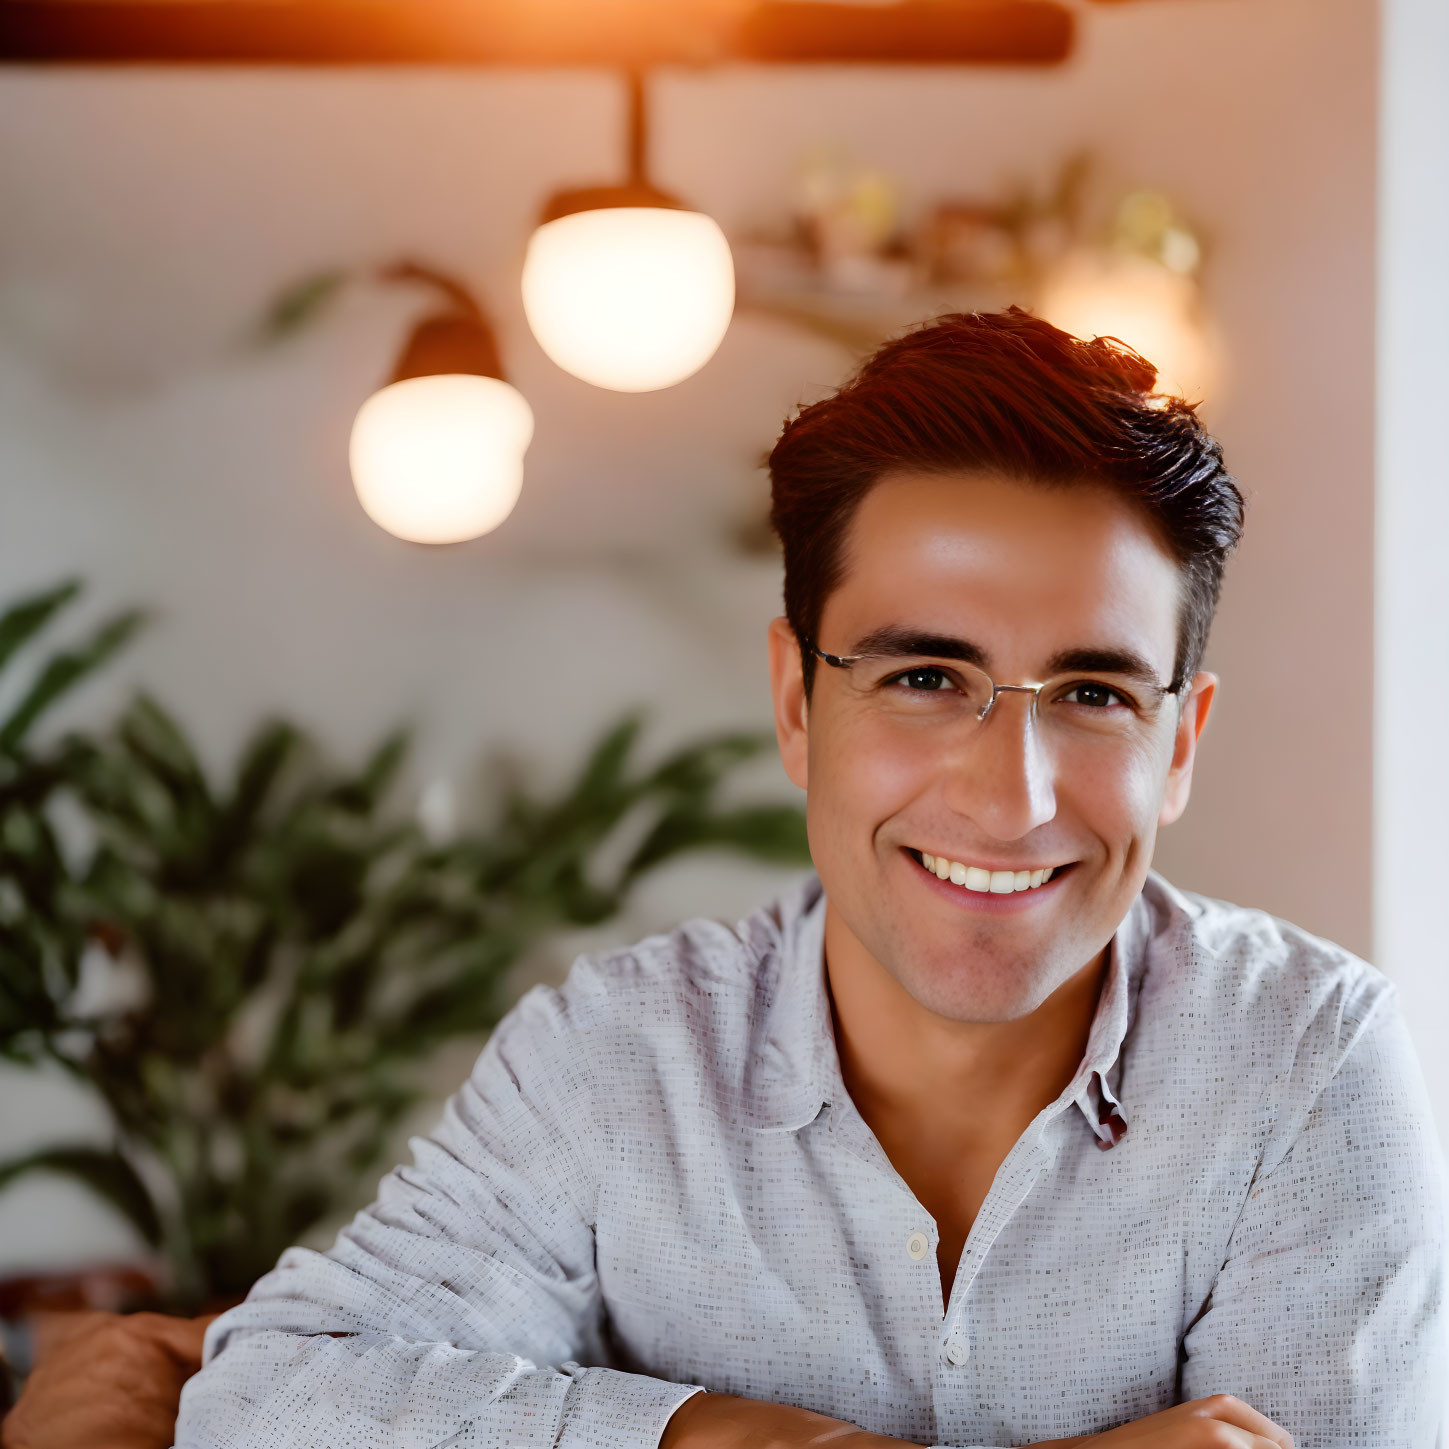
x=976, y=878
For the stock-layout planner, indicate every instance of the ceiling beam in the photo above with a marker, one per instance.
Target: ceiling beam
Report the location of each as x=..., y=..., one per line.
x=535, y=33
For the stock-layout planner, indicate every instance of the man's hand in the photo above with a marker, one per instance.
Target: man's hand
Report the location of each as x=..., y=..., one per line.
x=1218, y=1422
x=725, y=1421
x=103, y=1379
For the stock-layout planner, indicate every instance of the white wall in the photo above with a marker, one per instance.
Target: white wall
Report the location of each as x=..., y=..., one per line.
x=1411, y=635
x=148, y=215
x=1411, y=640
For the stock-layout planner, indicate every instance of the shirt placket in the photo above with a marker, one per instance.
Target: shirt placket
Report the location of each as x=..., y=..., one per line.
x=1014, y=1179
x=918, y=1237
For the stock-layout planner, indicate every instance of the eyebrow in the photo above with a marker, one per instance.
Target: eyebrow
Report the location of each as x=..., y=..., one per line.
x=902, y=641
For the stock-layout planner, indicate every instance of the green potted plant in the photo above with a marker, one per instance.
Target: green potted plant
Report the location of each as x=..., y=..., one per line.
x=291, y=950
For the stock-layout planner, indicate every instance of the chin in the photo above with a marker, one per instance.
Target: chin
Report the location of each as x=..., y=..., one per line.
x=990, y=992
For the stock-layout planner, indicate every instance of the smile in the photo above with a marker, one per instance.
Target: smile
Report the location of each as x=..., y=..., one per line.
x=984, y=881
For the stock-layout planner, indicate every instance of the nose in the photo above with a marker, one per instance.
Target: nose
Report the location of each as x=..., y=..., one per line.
x=1002, y=775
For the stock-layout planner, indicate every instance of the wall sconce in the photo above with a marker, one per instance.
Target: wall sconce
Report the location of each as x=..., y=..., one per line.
x=437, y=454
x=626, y=286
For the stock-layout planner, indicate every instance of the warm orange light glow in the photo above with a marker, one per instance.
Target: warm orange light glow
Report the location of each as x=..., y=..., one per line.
x=630, y=297
x=440, y=459
x=1139, y=302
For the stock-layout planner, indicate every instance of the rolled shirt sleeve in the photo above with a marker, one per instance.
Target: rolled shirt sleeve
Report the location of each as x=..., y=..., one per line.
x=1329, y=1313
x=460, y=1308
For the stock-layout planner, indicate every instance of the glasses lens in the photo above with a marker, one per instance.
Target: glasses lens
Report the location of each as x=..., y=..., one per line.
x=1099, y=706
x=949, y=692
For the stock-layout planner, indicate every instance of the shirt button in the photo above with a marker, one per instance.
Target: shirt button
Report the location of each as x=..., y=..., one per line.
x=918, y=1245
x=957, y=1350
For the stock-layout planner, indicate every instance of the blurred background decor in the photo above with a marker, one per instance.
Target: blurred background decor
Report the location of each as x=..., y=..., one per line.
x=249, y=974
x=1089, y=255
x=624, y=302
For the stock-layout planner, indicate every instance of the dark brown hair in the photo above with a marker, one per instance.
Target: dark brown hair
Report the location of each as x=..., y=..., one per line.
x=1008, y=393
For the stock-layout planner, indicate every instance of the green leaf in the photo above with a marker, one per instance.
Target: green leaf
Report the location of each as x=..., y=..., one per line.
x=361, y=795
x=300, y=304
x=605, y=766
x=106, y=1173
x=155, y=739
x=766, y=832
x=265, y=757
x=65, y=670
x=22, y=621
x=698, y=768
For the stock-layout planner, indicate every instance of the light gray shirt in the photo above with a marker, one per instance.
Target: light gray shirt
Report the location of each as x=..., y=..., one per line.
x=654, y=1181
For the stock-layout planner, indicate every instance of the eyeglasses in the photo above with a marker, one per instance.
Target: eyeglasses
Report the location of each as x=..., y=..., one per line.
x=1076, y=707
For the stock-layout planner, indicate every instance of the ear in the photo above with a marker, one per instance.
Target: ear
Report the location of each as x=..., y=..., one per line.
x=1191, y=719
x=787, y=686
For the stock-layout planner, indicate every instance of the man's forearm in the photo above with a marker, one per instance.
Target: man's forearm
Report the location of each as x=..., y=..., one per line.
x=727, y=1421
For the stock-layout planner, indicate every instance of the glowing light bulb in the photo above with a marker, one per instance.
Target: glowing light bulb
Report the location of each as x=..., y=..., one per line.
x=632, y=298
x=440, y=459
x=1152, y=309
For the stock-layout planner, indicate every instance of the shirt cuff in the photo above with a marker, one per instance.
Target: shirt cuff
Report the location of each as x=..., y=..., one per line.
x=608, y=1407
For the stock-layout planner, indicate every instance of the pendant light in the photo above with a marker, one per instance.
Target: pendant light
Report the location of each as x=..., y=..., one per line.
x=627, y=287
x=437, y=454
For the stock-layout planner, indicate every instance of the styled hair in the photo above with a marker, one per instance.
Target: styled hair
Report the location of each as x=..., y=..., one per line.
x=1008, y=393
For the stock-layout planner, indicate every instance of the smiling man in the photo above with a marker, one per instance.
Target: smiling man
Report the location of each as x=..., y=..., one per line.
x=984, y=1134
x=982, y=843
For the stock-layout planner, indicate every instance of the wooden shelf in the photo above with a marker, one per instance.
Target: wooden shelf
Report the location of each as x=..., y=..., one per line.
x=537, y=33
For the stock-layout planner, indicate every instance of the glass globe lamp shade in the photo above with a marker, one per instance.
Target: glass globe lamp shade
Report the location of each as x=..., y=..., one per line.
x=632, y=298
x=440, y=459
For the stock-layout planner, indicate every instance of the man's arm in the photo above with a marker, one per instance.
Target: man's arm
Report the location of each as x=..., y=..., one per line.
x=462, y=1307
x=1329, y=1313
x=723, y=1421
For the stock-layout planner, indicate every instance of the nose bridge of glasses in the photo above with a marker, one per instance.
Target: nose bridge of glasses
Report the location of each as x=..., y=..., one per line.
x=1018, y=784
x=1034, y=690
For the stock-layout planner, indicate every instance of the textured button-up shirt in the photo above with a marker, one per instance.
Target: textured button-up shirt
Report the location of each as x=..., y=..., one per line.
x=654, y=1181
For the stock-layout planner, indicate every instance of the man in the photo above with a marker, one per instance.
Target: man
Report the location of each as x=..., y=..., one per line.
x=985, y=1135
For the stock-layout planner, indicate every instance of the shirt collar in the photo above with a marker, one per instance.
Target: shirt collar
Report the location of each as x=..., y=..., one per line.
x=1099, y=1098
x=792, y=1069
x=791, y=1065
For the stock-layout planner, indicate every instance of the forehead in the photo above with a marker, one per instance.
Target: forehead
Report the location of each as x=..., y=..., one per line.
x=1010, y=563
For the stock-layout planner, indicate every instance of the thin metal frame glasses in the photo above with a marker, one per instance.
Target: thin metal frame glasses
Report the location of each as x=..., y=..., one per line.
x=1144, y=712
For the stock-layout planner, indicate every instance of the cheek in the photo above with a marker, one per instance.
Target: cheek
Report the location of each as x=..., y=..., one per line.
x=867, y=771
x=859, y=780
x=1120, y=802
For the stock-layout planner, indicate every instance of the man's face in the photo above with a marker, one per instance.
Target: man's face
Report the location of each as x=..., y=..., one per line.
x=1024, y=573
